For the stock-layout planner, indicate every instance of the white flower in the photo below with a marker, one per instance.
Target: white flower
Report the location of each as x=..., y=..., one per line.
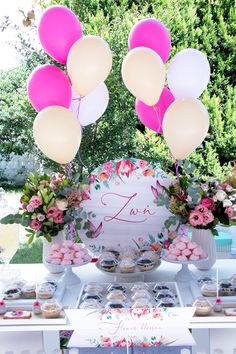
x=221, y=195
x=62, y=204
x=229, y=188
x=205, y=187
x=227, y=203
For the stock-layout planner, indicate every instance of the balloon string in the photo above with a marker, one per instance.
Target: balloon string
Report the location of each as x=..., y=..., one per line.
x=157, y=113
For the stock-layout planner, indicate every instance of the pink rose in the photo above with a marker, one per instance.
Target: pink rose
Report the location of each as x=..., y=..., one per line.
x=230, y=212
x=103, y=175
x=35, y=201
x=207, y=218
x=125, y=167
x=206, y=202
x=35, y=224
x=58, y=218
x=195, y=218
x=92, y=178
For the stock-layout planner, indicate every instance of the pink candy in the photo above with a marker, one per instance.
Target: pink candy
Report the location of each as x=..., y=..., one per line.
x=180, y=245
x=68, y=253
x=183, y=249
x=192, y=245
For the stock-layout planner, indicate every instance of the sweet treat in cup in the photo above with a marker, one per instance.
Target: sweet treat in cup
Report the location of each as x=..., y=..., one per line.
x=160, y=286
x=209, y=289
x=203, y=307
x=116, y=295
x=45, y=291
x=90, y=304
x=144, y=294
x=93, y=287
x=166, y=302
x=12, y=293
x=127, y=265
x=164, y=294
x=51, y=309
x=115, y=305
x=142, y=303
x=139, y=286
x=29, y=290
x=116, y=286
x=145, y=263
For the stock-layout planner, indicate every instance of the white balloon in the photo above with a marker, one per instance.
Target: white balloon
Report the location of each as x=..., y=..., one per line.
x=92, y=106
x=188, y=73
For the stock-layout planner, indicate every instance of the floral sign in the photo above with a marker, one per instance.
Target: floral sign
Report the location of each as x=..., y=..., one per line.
x=122, y=195
x=139, y=327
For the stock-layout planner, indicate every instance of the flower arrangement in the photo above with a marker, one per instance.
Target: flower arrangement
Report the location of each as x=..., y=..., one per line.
x=201, y=202
x=50, y=204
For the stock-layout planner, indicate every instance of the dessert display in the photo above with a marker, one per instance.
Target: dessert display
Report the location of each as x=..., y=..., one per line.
x=51, y=309
x=129, y=295
x=69, y=253
x=203, y=307
x=128, y=259
x=182, y=249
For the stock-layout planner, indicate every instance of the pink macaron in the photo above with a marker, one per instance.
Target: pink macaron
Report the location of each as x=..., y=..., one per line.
x=182, y=258
x=172, y=257
x=193, y=257
x=184, y=239
x=197, y=251
x=180, y=246
x=186, y=252
x=192, y=245
x=175, y=251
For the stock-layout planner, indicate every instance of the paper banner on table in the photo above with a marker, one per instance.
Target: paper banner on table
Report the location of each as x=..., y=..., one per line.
x=138, y=327
x=122, y=197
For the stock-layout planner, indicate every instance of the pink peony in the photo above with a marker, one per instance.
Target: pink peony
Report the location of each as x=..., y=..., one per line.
x=206, y=202
x=208, y=217
x=35, y=201
x=230, y=212
x=52, y=211
x=35, y=224
x=58, y=218
x=195, y=218
x=201, y=208
x=92, y=178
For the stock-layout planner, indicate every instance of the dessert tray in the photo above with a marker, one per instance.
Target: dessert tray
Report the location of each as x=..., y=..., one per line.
x=34, y=320
x=127, y=290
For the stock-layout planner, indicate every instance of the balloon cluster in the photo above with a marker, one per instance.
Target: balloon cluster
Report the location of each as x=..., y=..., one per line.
x=175, y=111
x=62, y=110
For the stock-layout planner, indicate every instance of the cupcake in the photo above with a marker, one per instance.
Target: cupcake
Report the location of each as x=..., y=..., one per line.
x=166, y=302
x=164, y=294
x=92, y=295
x=51, y=309
x=209, y=289
x=12, y=293
x=3, y=307
x=29, y=290
x=113, y=251
x=45, y=291
x=203, y=307
x=145, y=263
x=160, y=286
x=116, y=286
x=127, y=265
x=93, y=287
x=144, y=294
x=90, y=304
x=36, y=307
x=139, y=286
x=114, y=305
x=116, y=295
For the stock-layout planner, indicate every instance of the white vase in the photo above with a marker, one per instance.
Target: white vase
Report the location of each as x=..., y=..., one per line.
x=206, y=240
x=52, y=268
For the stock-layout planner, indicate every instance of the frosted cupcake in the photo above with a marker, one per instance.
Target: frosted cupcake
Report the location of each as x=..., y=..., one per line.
x=127, y=265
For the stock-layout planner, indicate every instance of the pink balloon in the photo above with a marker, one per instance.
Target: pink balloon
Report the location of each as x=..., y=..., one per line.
x=59, y=29
x=152, y=34
x=47, y=86
x=152, y=116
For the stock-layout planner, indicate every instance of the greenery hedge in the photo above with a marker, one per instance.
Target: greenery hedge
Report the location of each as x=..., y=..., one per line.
x=207, y=25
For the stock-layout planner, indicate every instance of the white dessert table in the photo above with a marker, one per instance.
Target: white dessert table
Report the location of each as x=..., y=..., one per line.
x=211, y=333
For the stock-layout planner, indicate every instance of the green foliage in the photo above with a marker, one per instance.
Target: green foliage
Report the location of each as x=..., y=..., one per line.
x=208, y=25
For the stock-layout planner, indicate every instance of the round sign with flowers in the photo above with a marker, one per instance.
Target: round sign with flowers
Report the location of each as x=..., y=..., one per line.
x=122, y=200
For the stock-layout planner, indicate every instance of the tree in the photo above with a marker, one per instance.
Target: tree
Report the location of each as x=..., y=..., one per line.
x=207, y=25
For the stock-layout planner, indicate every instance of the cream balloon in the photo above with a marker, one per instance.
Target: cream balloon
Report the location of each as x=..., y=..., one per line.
x=57, y=133
x=185, y=126
x=88, y=64
x=143, y=73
